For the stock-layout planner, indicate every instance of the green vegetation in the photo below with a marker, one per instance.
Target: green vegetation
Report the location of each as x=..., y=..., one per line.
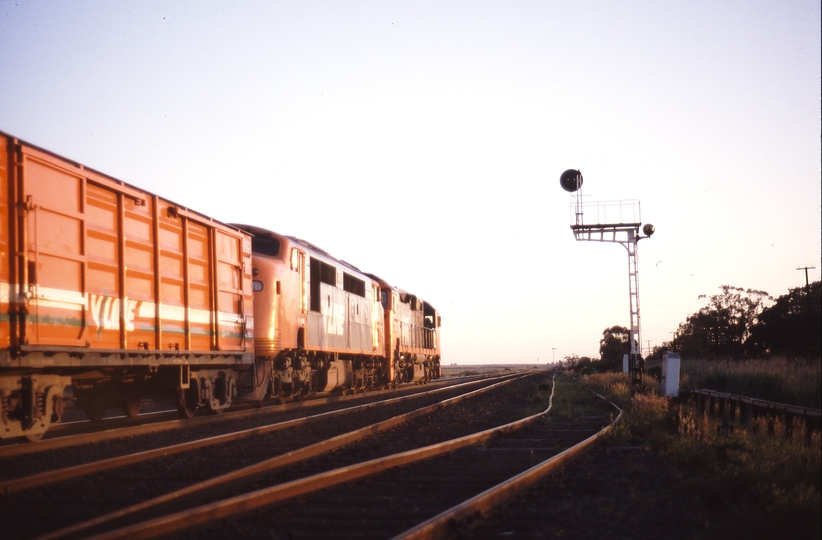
x=742, y=483
x=573, y=399
x=614, y=344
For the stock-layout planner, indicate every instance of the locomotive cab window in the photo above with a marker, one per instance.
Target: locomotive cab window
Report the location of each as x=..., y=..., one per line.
x=264, y=245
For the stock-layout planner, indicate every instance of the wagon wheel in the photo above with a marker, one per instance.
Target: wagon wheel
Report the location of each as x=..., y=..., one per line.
x=131, y=407
x=34, y=437
x=188, y=400
x=94, y=410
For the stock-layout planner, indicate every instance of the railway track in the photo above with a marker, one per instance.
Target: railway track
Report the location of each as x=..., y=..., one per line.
x=85, y=432
x=65, y=473
x=457, y=488
x=273, y=439
x=357, y=497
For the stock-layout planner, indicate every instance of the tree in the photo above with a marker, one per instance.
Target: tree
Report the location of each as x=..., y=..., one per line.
x=578, y=365
x=615, y=342
x=721, y=328
x=792, y=326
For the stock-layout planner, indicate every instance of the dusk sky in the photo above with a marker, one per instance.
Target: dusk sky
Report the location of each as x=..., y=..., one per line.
x=423, y=141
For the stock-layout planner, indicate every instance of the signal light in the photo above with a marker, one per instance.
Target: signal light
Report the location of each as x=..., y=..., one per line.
x=571, y=180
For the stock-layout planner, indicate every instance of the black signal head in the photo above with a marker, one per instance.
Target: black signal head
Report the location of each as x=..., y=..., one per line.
x=571, y=180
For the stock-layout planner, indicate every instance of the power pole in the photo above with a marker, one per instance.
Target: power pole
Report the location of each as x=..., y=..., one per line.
x=806, y=268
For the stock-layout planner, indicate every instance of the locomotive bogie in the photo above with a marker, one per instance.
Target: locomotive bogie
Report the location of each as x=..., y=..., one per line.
x=339, y=375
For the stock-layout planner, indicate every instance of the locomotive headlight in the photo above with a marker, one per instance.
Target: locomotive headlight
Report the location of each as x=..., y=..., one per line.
x=257, y=285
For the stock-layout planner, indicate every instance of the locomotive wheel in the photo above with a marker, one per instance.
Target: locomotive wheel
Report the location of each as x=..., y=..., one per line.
x=131, y=407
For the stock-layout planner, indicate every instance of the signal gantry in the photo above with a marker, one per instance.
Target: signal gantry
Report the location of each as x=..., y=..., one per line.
x=617, y=222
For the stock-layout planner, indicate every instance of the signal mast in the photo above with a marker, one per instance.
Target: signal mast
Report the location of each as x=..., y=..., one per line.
x=617, y=222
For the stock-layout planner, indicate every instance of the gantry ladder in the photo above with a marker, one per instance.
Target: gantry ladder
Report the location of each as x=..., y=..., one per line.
x=633, y=293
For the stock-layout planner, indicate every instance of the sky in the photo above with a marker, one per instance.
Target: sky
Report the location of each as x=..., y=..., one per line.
x=423, y=141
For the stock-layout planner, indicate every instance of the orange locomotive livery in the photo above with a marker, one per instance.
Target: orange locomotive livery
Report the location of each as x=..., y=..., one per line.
x=324, y=324
x=110, y=295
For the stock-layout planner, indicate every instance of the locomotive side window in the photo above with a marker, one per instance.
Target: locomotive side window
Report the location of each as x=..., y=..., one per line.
x=384, y=298
x=314, y=276
x=353, y=285
x=328, y=274
x=321, y=272
x=265, y=246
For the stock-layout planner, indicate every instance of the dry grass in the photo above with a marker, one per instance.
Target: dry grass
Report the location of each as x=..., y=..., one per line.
x=743, y=482
x=779, y=380
x=615, y=386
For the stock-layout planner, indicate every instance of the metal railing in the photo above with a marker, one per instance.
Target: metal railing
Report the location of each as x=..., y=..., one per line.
x=729, y=407
x=416, y=336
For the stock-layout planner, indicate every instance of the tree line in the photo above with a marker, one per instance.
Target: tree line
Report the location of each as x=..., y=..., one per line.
x=736, y=323
x=745, y=323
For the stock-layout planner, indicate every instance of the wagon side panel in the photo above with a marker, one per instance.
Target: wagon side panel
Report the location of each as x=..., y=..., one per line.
x=54, y=201
x=230, y=269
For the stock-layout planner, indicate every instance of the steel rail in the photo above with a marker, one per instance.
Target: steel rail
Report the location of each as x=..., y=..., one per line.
x=480, y=506
x=237, y=477
x=226, y=508
x=167, y=425
x=58, y=475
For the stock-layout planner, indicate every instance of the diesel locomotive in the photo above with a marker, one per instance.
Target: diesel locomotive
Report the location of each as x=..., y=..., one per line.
x=111, y=295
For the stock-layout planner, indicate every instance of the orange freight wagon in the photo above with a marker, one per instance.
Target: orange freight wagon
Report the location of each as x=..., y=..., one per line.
x=113, y=290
